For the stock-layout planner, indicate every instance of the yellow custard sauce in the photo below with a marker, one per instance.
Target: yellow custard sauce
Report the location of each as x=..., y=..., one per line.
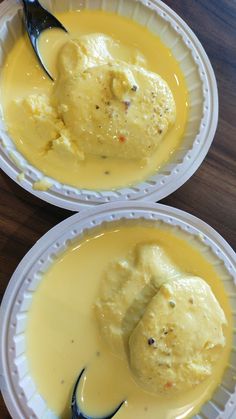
x=63, y=335
x=23, y=76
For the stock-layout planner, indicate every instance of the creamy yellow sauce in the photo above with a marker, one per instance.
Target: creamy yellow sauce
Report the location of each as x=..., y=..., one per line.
x=23, y=76
x=62, y=315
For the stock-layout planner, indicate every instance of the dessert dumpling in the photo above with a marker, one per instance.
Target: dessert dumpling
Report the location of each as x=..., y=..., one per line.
x=179, y=338
x=126, y=290
x=111, y=107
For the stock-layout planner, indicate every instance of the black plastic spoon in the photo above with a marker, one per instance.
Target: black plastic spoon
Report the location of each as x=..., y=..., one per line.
x=37, y=20
x=76, y=411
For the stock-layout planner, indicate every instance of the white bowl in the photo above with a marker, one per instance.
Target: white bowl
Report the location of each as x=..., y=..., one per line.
x=17, y=385
x=202, y=121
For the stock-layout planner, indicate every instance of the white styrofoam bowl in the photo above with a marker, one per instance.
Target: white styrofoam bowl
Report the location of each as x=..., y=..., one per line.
x=203, y=115
x=17, y=385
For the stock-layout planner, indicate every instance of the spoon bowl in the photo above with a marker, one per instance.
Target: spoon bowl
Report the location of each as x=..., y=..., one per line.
x=77, y=412
x=37, y=20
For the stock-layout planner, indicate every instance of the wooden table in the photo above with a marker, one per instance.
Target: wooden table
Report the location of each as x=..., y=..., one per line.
x=210, y=194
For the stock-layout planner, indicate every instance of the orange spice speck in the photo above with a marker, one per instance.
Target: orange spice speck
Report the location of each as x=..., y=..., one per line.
x=169, y=384
x=122, y=138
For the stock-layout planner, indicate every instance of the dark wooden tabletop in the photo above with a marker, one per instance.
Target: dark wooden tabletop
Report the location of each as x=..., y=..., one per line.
x=210, y=194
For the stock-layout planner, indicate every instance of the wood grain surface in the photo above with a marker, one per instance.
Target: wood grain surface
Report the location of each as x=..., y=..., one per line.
x=210, y=194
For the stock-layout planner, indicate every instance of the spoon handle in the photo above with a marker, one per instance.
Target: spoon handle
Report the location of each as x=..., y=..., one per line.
x=32, y=8
x=29, y=3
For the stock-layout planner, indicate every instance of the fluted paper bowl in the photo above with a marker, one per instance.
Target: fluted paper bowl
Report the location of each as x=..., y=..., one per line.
x=18, y=388
x=203, y=98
